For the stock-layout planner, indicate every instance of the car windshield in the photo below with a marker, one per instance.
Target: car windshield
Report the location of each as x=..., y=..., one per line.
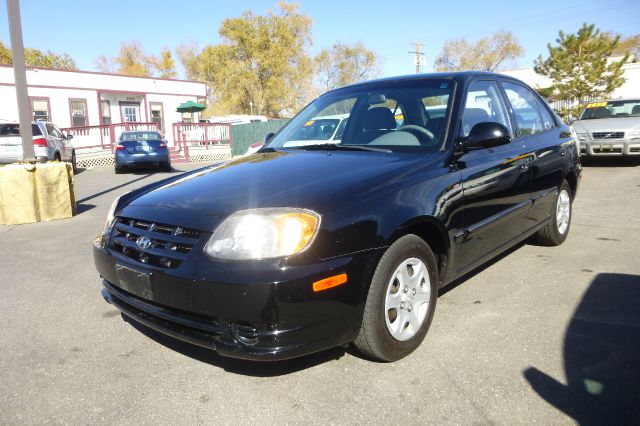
x=406, y=116
x=611, y=109
x=140, y=136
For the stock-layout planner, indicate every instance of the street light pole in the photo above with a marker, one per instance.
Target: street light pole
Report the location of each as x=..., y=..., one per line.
x=20, y=75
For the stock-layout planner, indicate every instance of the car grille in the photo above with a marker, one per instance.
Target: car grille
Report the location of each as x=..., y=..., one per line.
x=165, y=246
x=608, y=135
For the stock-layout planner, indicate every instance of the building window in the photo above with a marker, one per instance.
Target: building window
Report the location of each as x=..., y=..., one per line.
x=78, y=108
x=40, y=109
x=157, y=114
x=105, y=107
x=129, y=112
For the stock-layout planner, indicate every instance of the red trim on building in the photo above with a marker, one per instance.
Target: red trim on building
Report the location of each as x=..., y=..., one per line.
x=40, y=86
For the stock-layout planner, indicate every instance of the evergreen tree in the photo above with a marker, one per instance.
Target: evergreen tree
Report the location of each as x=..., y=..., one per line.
x=580, y=65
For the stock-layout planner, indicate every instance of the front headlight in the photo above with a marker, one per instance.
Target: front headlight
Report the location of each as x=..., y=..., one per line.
x=110, y=216
x=263, y=234
x=634, y=134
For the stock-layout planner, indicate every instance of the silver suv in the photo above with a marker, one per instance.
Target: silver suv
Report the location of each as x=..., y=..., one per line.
x=609, y=128
x=49, y=143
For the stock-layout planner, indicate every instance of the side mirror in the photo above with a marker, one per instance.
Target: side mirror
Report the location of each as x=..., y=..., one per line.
x=487, y=135
x=571, y=119
x=69, y=137
x=268, y=137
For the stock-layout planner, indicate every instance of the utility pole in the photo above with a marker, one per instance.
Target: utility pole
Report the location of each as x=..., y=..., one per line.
x=418, y=54
x=20, y=75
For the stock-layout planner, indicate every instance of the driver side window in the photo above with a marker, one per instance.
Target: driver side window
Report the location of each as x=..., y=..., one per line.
x=483, y=104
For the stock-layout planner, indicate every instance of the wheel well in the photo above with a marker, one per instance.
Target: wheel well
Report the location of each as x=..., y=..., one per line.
x=57, y=156
x=433, y=235
x=573, y=182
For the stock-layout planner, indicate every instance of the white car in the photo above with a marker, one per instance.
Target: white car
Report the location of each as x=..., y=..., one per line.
x=49, y=143
x=609, y=128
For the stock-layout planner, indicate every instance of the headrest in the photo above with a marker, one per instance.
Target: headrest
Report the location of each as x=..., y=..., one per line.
x=379, y=118
x=476, y=115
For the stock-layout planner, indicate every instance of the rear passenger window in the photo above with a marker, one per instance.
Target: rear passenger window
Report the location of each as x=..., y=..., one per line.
x=525, y=109
x=483, y=104
x=547, y=119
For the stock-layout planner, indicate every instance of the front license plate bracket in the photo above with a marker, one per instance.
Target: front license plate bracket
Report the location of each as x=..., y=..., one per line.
x=134, y=281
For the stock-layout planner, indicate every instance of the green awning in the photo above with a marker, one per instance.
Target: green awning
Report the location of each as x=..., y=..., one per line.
x=190, y=106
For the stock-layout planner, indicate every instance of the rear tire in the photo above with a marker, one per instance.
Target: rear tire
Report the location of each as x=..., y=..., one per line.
x=118, y=170
x=56, y=157
x=401, y=301
x=556, y=230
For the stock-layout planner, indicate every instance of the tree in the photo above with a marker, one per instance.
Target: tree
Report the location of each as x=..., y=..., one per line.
x=262, y=64
x=343, y=64
x=628, y=46
x=5, y=54
x=105, y=64
x=580, y=65
x=165, y=65
x=188, y=55
x=132, y=60
x=37, y=58
x=487, y=54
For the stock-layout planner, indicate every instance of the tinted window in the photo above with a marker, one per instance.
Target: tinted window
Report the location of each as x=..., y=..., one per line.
x=7, y=130
x=525, y=109
x=547, y=119
x=483, y=104
x=138, y=136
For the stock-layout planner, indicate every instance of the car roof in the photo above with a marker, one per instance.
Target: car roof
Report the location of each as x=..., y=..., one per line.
x=460, y=76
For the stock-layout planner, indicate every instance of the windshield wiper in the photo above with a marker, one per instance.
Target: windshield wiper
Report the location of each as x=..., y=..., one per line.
x=340, y=147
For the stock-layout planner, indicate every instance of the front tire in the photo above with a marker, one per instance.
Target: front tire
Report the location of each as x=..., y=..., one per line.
x=557, y=229
x=401, y=301
x=74, y=163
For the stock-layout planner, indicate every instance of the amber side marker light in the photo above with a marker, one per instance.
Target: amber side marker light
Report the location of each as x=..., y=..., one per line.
x=330, y=282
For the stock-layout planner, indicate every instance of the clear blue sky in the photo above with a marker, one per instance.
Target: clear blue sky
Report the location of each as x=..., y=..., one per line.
x=87, y=29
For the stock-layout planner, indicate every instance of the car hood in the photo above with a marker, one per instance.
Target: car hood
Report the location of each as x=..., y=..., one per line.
x=622, y=124
x=272, y=179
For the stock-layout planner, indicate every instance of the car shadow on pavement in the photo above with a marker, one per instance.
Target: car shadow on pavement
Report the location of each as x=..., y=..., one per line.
x=601, y=356
x=113, y=188
x=239, y=366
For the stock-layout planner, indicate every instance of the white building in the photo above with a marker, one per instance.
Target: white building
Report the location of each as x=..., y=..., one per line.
x=80, y=100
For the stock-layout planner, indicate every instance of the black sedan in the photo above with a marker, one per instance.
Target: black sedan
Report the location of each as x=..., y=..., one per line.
x=141, y=149
x=299, y=248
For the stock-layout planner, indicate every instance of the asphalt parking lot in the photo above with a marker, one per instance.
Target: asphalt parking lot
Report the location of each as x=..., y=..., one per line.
x=544, y=335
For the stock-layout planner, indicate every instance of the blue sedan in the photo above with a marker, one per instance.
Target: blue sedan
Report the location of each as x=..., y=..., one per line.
x=144, y=148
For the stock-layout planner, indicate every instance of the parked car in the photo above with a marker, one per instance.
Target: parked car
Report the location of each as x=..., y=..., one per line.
x=296, y=249
x=141, y=148
x=609, y=128
x=49, y=143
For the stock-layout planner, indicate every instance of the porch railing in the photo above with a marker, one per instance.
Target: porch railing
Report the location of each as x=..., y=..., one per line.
x=104, y=136
x=201, y=134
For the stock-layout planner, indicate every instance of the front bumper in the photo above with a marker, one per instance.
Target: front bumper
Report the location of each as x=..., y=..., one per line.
x=274, y=315
x=610, y=148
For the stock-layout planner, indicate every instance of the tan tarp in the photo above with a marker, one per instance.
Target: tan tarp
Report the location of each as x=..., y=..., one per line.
x=31, y=193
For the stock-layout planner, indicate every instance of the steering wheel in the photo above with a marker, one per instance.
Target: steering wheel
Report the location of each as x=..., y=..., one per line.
x=419, y=129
